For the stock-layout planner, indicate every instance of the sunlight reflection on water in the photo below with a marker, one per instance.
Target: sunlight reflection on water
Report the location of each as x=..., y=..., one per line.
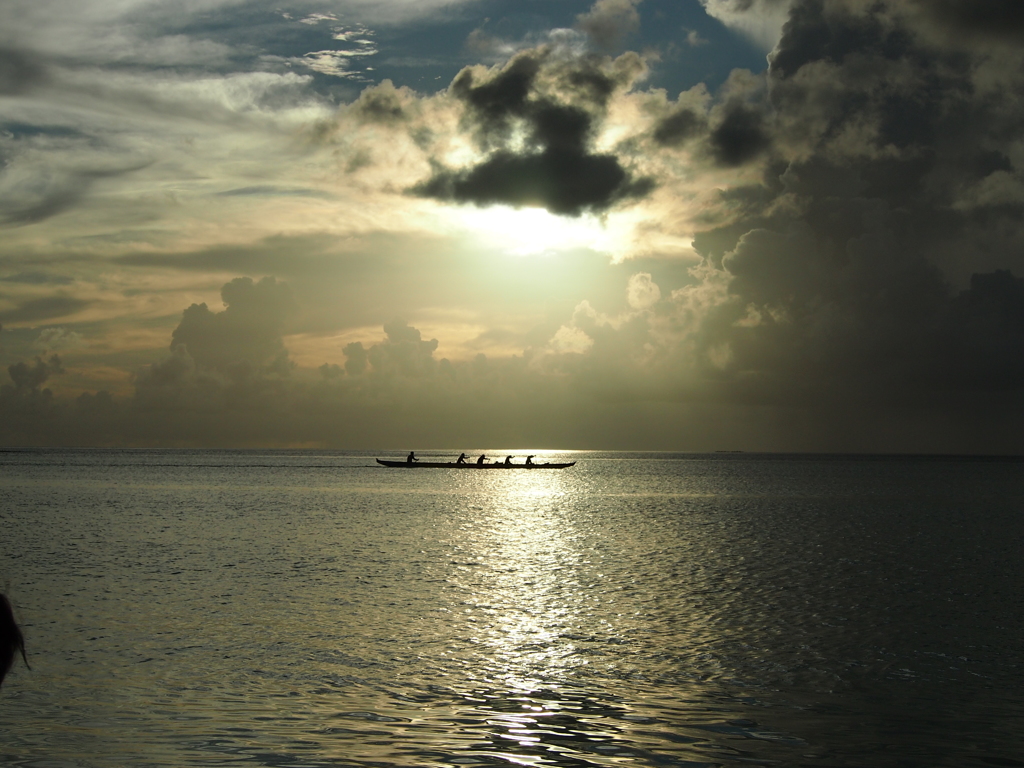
x=532, y=595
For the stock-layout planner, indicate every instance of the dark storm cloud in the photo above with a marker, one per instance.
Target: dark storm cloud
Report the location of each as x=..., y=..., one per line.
x=993, y=18
x=842, y=266
x=827, y=32
x=740, y=137
x=901, y=119
x=566, y=183
x=592, y=80
x=733, y=129
x=986, y=325
x=554, y=167
x=495, y=102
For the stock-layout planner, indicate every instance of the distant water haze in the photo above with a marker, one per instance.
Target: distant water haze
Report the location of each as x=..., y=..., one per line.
x=293, y=608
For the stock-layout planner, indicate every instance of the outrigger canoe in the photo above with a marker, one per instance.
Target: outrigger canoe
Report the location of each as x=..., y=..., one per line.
x=468, y=465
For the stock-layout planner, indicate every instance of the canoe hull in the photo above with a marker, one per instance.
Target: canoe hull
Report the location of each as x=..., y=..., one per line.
x=454, y=465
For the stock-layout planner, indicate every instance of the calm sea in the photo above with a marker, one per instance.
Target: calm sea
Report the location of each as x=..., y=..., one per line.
x=300, y=609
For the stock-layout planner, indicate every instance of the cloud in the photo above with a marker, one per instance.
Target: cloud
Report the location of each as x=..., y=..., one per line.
x=20, y=72
x=333, y=63
x=51, y=339
x=276, y=254
x=733, y=129
x=225, y=368
x=679, y=127
x=566, y=183
x=30, y=195
x=694, y=40
x=36, y=277
x=244, y=338
x=854, y=280
x=740, y=136
x=384, y=104
x=642, y=292
x=274, y=191
x=996, y=19
x=44, y=308
x=572, y=340
x=985, y=324
x=403, y=352
x=881, y=175
x=537, y=145
x=30, y=378
x=27, y=408
x=841, y=264
x=610, y=21
x=94, y=133
x=759, y=20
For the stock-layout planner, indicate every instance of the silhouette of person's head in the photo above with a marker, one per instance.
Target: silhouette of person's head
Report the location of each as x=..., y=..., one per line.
x=11, y=640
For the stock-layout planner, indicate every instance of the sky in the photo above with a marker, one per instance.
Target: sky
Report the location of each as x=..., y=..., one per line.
x=682, y=225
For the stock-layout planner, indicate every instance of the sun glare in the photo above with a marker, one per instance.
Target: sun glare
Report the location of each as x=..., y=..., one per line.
x=529, y=231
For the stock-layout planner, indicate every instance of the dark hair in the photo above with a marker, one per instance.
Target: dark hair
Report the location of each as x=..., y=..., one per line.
x=11, y=639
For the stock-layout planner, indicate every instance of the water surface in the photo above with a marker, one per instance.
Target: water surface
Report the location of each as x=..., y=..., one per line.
x=186, y=608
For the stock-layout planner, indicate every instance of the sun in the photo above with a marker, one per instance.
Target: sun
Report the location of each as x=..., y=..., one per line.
x=530, y=231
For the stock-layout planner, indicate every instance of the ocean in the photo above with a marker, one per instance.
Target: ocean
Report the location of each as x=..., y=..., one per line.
x=310, y=608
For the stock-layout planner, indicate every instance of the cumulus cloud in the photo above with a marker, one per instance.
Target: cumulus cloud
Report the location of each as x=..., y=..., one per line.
x=734, y=129
x=246, y=337
x=740, y=136
x=52, y=339
x=535, y=119
x=642, y=292
x=384, y=104
x=403, y=353
x=28, y=379
x=841, y=263
x=227, y=370
x=569, y=338
x=759, y=20
x=27, y=408
x=610, y=21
